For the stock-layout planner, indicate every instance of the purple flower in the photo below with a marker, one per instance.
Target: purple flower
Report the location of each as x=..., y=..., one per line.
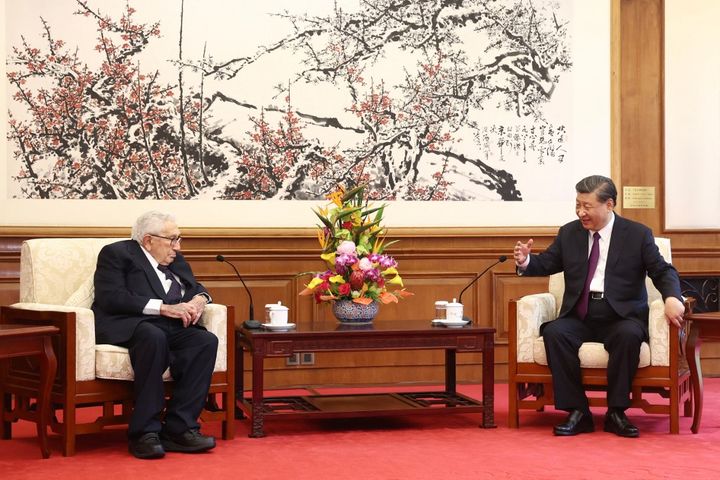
x=387, y=262
x=345, y=260
x=373, y=275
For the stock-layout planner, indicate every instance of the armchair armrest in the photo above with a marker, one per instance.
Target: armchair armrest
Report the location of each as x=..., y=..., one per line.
x=215, y=320
x=77, y=331
x=532, y=311
x=659, y=331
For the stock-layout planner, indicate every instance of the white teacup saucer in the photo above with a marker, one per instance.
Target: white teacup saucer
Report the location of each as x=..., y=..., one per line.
x=272, y=326
x=450, y=323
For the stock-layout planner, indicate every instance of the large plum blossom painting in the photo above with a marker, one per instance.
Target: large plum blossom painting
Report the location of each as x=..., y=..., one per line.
x=423, y=101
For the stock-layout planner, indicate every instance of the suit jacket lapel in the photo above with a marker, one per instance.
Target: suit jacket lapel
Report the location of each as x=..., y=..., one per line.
x=141, y=261
x=617, y=239
x=581, y=247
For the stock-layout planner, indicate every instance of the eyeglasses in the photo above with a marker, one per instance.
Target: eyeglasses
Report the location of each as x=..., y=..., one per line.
x=173, y=240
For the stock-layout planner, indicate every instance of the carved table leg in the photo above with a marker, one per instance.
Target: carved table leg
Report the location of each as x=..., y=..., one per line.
x=5, y=426
x=48, y=368
x=257, y=394
x=488, y=381
x=239, y=377
x=450, y=371
x=692, y=355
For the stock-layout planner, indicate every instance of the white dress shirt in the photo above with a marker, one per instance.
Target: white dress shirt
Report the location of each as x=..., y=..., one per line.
x=153, y=305
x=597, y=284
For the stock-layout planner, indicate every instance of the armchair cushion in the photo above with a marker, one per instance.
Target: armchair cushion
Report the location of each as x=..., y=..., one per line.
x=592, y=354
x=84, y=295
x=113, y=363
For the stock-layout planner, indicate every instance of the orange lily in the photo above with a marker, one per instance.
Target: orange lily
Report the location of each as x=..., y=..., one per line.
x=363, y=300
x=387, y=297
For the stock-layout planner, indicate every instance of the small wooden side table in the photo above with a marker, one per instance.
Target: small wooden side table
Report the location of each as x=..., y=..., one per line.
x=703, y=326
x=33, y=340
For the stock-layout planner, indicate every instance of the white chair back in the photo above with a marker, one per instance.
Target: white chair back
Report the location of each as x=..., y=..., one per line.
x=53, y=269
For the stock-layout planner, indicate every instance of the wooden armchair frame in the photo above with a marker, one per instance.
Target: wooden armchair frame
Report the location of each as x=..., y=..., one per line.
x=20, y=380
x=671, y=383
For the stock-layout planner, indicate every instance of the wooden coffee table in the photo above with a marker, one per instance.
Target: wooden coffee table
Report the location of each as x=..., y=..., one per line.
x=380, y=335
x=703, y=326
x=31, y=340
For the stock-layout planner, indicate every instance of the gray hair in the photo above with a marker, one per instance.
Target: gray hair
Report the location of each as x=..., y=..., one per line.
x=151, y=222
x=603, y=187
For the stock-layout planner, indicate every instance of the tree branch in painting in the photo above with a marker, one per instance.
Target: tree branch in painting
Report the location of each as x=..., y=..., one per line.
x=414, y=83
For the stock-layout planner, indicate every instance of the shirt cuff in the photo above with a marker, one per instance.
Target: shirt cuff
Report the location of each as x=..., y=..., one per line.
x=206, y=295
x=522, y=266
x=153, y=307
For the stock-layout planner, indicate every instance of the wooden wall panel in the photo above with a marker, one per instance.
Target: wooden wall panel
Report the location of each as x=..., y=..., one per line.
x=509, y=287
x=9, y=292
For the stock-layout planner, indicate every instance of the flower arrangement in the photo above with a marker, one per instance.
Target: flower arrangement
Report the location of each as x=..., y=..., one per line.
x=352, y=242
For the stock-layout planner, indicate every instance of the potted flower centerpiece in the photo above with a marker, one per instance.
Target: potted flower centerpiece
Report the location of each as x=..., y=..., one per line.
x=359, y=274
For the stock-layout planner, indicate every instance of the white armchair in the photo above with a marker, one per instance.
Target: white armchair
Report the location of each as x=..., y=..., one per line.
x=661, y=367
x=56, y=287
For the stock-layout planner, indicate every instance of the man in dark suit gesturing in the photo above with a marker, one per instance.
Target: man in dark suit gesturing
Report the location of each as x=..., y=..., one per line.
x=147, y=299
x=604, y=259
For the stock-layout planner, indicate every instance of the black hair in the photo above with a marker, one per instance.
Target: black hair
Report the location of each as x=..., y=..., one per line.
x=603, y=187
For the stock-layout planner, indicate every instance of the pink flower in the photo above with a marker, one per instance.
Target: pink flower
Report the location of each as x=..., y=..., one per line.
x=365, y=264
x=346, y=247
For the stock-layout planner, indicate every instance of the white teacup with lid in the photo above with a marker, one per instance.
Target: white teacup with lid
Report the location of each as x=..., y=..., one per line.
x=276, y=313
x=441, y=309
x=454, y=311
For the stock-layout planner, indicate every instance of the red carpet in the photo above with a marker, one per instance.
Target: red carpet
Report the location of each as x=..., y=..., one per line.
x=401, y=448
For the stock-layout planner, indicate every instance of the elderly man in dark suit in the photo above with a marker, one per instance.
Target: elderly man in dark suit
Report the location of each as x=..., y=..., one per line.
x=604, y=259
x=147, y=299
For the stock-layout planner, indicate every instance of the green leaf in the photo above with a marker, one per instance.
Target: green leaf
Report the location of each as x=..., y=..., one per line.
x=361, y=229
x=379, y=215
x=323, y=219
x=347, y=212
x=385, y=245
x=352, y=193
x=373, y=210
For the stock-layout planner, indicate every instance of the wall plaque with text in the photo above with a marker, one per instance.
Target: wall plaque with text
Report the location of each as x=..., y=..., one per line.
x=638, y=197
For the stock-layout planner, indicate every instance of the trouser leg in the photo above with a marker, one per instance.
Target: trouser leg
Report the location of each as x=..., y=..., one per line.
x=563, y=338
x=149, y=356
x=623, y=341
x=193, y=353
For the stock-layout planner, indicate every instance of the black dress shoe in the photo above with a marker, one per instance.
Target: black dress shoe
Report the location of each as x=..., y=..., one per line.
x=190, y=441
x=146, y=446
x=616, y=422
x=576, y=422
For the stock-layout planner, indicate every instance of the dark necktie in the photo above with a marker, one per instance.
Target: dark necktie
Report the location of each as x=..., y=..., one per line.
x=174, y=294
x=582, y=305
